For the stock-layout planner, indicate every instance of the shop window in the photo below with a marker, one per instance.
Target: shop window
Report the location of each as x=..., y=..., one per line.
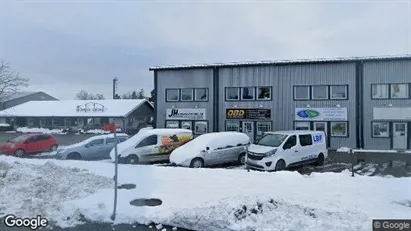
x=187, y=94
x=247, y=93
x=42, y=123
x=339, y=129
x=186, y=125
x=379, y=91
x=301, y=92
x=380, y=129
x=67, y=122
x=232, y=93
x=201, y=94
x=263, y=127
x=339, y=92
x=399, y=91
x=232, y=126
x=319, y=92
x=30, y=122
x=305, y=140
x=200, y=127
x=264, y=93
x=172, y=124
x=303, y=126
x=172, y=95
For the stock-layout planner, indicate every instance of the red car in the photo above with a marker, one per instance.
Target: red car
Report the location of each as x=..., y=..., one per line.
x=29, y=144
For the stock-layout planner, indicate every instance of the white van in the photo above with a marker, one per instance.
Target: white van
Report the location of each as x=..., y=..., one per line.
x=276, y=151
x=151, y=145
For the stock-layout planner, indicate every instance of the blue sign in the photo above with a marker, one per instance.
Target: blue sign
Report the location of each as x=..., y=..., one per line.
x=317, y=138
x=308, y=113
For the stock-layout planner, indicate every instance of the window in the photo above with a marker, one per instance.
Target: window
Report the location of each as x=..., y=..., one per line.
x=247, y=93
x=305, y=140
x=201, y=94
x=96, y=142
x=291, y=142
x=264, y=93
x=187, y=94
x=304, y=126
x=263, y=127
x=110, y=141
x=339, y=129
x=67, y=122
x=151, y=140
x=186, y=125
x=30, y=122
x=380, y=129
x=200, y=127
x=232, y=126
x=232, y=93
x=122, y=139
x=338, y=92
x=301, y=92
x=42, y=123
x=172, y=95
x=172, y=124
x=319, y=92
x=379, y=91
x=399, y=91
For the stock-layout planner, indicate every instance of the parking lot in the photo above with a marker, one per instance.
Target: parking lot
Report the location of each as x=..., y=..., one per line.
x=63, y=140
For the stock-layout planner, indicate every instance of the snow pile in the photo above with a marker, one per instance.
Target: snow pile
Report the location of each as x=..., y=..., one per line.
x=40, y=130
x=28, y=190
x=343, y=149
x=5, y=125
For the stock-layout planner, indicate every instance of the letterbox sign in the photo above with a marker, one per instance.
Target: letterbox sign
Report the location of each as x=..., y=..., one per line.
x=186, y=114
x=248, y=113
x=91, y=107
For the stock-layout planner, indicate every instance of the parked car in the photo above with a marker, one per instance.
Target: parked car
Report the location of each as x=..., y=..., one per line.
x=151, y=145
x=212, y=149
x=276, y=151
x=93, y=148
x=29, y=144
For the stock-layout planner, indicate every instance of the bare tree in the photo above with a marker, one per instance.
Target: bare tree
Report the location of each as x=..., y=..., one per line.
x=84, y=95
x=11, y=81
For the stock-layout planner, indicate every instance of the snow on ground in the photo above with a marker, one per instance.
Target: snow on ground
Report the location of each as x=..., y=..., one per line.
x=204, y=199
x=345, y=149
x=40, y=130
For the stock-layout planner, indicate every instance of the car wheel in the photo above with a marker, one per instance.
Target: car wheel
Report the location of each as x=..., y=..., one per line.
x=53, y=148
x=19, y=153
x=132, y=159
x=241, y=159
x=280, y=165
x=320, y=160
x=197, y=163
x=74, y=156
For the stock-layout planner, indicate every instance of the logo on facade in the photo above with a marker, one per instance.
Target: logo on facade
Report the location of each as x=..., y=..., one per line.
x=308, y=113
x=91, y=107
x=185, y=113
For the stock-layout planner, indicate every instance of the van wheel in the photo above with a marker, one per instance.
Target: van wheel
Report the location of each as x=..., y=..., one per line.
x=280, y=165
x=320, y=160
x=19, y=153
x=132, y=159
x=74, y=156
x=197, y=163
x=241, y=159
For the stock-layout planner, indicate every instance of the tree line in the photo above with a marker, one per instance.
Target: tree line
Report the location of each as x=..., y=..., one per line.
x=84, y=95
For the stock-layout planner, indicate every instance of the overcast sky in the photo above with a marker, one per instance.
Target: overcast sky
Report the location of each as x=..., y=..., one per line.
x=67, y=46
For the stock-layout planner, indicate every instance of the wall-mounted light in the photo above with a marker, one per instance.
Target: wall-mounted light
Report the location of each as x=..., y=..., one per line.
x=338, y=105
x=196, y=106
x=235, y=105
x=173, y=106
x=307, y=105
x=260, y=105
x=389, y=105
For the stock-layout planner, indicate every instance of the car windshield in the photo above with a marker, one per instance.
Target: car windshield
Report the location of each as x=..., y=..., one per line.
x=19, y=139
x=271, y=140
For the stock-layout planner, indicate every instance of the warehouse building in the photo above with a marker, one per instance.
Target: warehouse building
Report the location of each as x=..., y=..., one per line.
x=358, y=102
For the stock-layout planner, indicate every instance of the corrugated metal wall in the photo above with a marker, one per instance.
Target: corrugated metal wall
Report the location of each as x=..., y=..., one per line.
x=378, y=73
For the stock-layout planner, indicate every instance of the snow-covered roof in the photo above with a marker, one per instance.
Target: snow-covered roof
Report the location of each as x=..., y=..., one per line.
x=74, y=108
x=278, y=62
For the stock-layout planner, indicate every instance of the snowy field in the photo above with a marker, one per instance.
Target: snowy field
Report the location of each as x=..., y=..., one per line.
x=200, y=199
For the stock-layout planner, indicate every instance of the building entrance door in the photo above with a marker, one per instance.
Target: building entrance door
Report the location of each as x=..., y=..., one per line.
x=248, y=129
x=399, y=136
x=320, y=126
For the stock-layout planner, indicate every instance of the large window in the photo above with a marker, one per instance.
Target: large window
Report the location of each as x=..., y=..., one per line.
x=201, y=94
x=339, y=129
x=232, y=126
x=187, y=125
x=338, y=92
x=67, y=122
x=305, y=126
x=200, y=127
x=379, y=91
x=232, y=93
x=264, y=93
x=399, y=91
x=247, y=93
x=187, y=94
x=380, y=129
x=319, y=92
x=172, y=95
x=172, y=124
x=301, y=92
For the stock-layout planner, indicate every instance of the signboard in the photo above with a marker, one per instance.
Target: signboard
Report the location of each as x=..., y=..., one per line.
x=248, y=113
x=91, y=107
x=186, y=114
x=392, y=113
x=321, y=114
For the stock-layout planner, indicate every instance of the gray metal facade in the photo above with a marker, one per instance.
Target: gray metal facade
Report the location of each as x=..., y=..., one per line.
x=35, y=96
x=358, y=74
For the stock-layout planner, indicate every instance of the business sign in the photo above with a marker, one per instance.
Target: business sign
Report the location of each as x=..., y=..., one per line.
x=248, y=113
x=91, y=107
x=319, y=114
x=392, y=113
x=186, y=114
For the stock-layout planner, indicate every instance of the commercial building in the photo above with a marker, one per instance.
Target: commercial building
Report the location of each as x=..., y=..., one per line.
x=358, y=102
x=81, y=114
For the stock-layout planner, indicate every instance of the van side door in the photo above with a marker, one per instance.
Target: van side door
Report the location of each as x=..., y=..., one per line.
x=147, y=149
x=307, y=152
x=290, y=150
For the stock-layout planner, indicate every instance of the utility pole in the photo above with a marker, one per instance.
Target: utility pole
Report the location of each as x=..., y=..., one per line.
x=115, y=80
